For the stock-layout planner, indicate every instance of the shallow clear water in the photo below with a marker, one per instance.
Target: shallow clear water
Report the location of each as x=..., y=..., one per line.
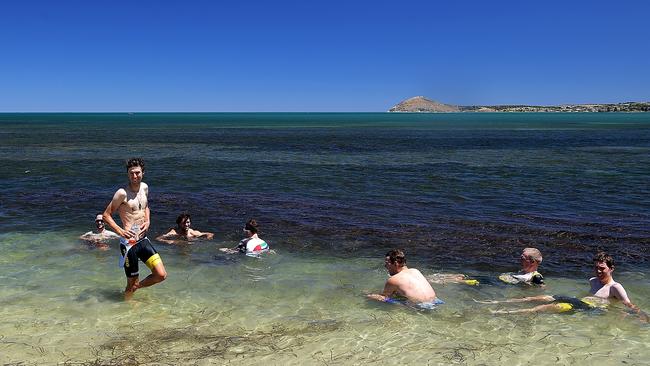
x=334, y=192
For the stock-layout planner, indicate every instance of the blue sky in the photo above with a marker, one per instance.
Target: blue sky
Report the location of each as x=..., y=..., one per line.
x=318, y=55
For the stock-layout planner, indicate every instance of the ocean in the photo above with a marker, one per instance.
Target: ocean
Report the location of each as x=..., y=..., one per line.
x=333, y=192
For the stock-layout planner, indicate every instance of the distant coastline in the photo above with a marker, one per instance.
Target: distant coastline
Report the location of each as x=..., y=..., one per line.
x=424, y=105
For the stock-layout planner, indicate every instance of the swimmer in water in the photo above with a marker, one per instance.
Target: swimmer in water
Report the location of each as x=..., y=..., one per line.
x=603, y=288
x=251, y=245
x=183, y=231
x=100, y=234
x=530, y=259
x=133, y=208
x=405, y=282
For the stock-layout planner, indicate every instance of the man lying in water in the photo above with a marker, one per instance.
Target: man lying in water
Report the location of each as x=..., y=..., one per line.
x=530, y=259
x=183, y=231
x=100, y=234
x=406, y=283
x=603, y=288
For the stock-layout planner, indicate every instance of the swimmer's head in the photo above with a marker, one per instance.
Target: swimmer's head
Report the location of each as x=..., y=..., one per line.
x=183, y=221
x=530, y=260
x=603, y=266
x=134, y=162
x=395, y=259
x=251, y=226
x=605, y=258
x=99, y=221
x=532, y=254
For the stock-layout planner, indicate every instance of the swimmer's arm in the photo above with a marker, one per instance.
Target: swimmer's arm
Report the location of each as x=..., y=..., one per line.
x=200, y=234
x=169, y=234
x=118, y=199
x=619, y=292
x=241, y=247
x=209, y=236
x=166, y=236
x=377, y=297
x=389, y=289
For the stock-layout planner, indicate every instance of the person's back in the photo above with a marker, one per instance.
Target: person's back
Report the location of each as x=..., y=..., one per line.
x=414, y=286
x=405, y=282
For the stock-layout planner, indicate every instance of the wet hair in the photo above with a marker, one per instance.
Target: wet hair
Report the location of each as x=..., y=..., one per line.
x=251, y=225
x=396, y=256
x=181, y=218
x=534, y=254
x=604, y=257
x=134, y=162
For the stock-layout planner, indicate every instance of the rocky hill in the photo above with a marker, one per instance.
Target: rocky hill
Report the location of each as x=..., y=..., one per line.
x=422, y=104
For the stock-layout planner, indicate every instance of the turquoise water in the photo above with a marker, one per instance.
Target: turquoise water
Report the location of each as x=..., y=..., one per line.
x=333, y=192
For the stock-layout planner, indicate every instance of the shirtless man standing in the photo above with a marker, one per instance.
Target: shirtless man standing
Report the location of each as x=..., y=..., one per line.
x=132, y=206
x=405, y=282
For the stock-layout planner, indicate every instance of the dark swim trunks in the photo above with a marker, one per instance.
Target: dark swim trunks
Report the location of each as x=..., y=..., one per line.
x=142, y=250
x=568, y=303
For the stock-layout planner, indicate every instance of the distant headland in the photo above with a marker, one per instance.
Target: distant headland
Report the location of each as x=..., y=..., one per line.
x=424, y=105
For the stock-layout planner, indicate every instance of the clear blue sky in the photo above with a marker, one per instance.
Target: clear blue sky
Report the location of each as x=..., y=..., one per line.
x=318, y=55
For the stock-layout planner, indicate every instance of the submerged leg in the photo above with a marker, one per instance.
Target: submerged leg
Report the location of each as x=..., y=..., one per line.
x=131, y=286
x=546, y=298
x=442, y=278
x=551, y=308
